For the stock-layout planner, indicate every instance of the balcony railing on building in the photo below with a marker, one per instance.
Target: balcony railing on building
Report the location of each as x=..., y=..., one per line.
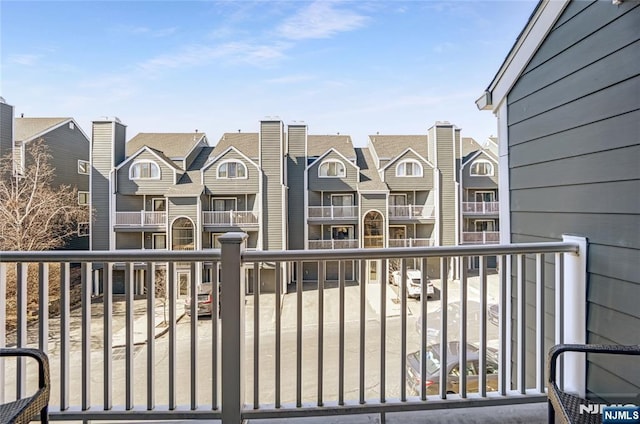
x=332, y=212
x=411, y=242
x=412, y=212
x=481, y=237
x=141, y=219
x=245, y=219
x=334, y=244
x=480, y=208
x=201, y=370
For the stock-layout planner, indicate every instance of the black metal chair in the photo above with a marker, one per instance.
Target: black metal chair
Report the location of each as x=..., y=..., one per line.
x=24, y=410
x=565, y=406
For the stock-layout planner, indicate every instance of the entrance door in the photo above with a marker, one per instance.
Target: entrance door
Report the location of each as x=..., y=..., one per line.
x=183, y=277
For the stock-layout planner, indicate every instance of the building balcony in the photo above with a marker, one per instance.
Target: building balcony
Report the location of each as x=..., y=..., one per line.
x=480, y=208
x=319, y=213
x=411, y=242
x=411, y=212
x=141, y=219
x=333, y=244
x=318, y=352
x=480, y=237
x=241, y=219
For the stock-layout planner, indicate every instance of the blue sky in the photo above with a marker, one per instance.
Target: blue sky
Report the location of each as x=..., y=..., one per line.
x=348, y=67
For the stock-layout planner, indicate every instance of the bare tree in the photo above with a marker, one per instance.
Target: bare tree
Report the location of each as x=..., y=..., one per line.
x=34, y=215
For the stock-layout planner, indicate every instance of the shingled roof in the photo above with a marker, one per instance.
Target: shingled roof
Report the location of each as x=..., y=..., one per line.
x=390, y=146
x=246, y=143
x=28, y=128
x=317, y=145
x=173, y=145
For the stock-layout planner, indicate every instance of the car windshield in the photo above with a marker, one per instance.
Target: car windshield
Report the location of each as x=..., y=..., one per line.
x=433, y=361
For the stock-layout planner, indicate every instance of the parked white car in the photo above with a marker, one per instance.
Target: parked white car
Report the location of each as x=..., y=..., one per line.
x=414, y=282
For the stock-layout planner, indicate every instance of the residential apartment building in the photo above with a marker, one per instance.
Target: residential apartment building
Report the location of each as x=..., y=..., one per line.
x=69, y=149
x=288, y=189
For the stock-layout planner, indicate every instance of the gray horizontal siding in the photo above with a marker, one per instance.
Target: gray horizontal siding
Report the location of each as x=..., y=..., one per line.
x=129, y=203
x=128, y=240
x=348, y=183
x=251, y=184
x=408, y=183
x=101, y=161
x=183, y=206
x=574, y=155
x=372, y=201
x=145, y=186
x=6, y=129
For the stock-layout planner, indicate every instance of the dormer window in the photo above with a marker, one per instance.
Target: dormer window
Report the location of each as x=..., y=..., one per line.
x=232, y=170
x=144, y=170
x=481, y=168
x=409, y=168
x=332, y=169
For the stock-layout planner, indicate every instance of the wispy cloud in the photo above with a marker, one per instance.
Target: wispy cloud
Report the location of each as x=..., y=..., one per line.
x=321, y=19
x=290, y=79
x=146, y=31
x=235, y=52
x=25, y=59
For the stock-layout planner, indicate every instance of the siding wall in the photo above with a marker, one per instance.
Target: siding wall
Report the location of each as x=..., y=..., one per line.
x=251, y=184
x=574, y=144
x=107, y=137
x=145, y=186
x=348, y=183
x=273, y=198
x=409, y=183
x=444, y=149
x=6, y=129
x=480, y=181
x=296, y=164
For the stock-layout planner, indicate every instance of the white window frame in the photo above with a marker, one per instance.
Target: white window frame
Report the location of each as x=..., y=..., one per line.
x=391, y=232
x=401, y=168
x=84, y=163
x=72, y=126
x=492, y=193
x=350, y=232
x=158, y=199
x=477, y=221
x=474, y=172
x=350, y=196
x=141, y=162
x=83, y=229
x=153, y=240
x=86, y=193
x=235, y=204
x=226, y=165
x=340, y=172
x=215, y=236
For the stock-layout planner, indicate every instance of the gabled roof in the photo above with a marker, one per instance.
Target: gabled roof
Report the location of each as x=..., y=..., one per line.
x=407, y=150
x=317, y=145
x=471, y=149
x=219, y=156
x=390, y=146
x=474, y=155
x=173, y=145
x=27, y=129
x=187, y=186
x=154, y=152
x=332, y=149
x=246, y=143
x=542, y=19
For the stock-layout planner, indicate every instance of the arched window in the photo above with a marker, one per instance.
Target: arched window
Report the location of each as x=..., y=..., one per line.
x=331, y=168
x=373, y=229
x=409, y=168
x=482, y=168
x=144, y=169
x=232, y=169
x=182, y=234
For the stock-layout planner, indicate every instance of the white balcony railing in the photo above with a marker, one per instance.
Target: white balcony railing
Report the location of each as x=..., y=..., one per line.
x=341, y=355
x=332, y=212
x=231, y=218
x=333, y=244
x=481, y=237
x=140, y=219
x=481, y=208
x=411, y=242
x=412, y=212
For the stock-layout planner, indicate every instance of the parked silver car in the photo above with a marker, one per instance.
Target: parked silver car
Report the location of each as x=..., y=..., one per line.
x=414, y=282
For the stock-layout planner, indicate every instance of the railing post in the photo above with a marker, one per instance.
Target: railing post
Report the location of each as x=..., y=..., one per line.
x=575, y=315
x=232, y=313
x=141, y=217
